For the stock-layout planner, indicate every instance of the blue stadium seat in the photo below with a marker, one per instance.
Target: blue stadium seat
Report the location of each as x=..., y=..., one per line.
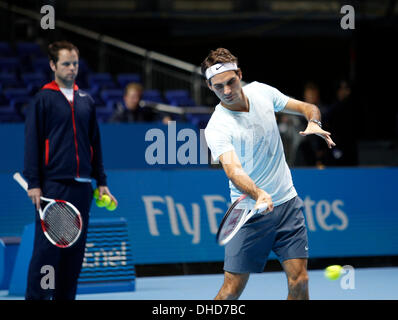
x=182, y=102
x=84, y=70
x=20, y=104
x=112, y=94
x=16, y=93
x=10, y=81
x=9, y=64
x=9, y=113
x=179, y=98
x=3, y=99
x=100, y=76
x=170, y=94
x=152, y=95
x=10, y=117
x=34, y=81
x=198, y=120
x=34, y=78
x=8, y=78
x=114, y=104
x=34, y=87
x=5, y=49
x=28, y=49
x=125, y=78
x=103, y=80
x=104, y=112
x=41, y=65
x=83, y=66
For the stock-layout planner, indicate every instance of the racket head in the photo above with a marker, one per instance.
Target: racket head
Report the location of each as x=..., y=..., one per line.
x=61, y=222
x=232, y=220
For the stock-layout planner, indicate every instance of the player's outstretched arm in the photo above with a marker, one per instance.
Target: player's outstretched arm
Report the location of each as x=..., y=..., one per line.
x=313, y=115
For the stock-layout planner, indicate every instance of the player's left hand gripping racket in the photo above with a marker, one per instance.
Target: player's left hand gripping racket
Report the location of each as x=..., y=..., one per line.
x=60, y=220
x=236, y=216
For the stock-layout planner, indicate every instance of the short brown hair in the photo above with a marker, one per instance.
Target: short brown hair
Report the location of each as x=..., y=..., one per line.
x=220, y=55
x=55, y=47
x=134, y=86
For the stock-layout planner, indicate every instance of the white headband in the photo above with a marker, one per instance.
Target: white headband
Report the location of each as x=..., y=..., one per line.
x=219, y=68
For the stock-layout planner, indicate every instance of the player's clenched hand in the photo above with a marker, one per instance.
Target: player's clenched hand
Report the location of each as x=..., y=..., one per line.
x=313, y=128
x=264, y=197
x=34, y=194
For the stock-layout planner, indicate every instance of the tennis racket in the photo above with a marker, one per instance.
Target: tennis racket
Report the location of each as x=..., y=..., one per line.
x=236, y=216
x=60, y=221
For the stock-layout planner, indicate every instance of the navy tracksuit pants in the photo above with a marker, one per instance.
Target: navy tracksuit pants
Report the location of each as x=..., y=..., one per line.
x=66, y=262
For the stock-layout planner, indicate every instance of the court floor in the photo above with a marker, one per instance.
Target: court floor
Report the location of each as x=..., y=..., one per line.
x=362, y=284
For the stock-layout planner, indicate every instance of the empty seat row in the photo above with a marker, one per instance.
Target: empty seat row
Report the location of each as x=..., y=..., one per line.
x=22, y=48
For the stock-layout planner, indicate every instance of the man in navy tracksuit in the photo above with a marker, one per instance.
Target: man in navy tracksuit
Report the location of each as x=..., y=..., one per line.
x=62, y=155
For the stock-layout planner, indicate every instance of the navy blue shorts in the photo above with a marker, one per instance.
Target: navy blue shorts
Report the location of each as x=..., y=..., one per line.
x=283, y=231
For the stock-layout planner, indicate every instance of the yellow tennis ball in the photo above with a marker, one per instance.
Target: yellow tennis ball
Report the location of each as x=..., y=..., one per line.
x=112, y=206
x=333, y=272
x=106, y=200
x=99, y=203
x=96, y=194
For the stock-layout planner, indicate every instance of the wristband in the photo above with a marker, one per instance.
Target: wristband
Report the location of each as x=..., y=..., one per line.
x=317, y=122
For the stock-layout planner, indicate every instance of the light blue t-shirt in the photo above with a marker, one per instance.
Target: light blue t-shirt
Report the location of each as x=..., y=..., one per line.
x=255, y=137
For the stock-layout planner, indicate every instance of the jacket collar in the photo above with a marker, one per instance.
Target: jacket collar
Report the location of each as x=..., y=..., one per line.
x=54, y=86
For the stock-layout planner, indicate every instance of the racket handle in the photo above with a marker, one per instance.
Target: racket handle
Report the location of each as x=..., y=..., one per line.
x=22, y=182
x=262, y=207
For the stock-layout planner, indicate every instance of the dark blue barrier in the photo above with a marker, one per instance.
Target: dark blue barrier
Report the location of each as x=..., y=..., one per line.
x=8, y=251
x=107, y=266
x=173, y=215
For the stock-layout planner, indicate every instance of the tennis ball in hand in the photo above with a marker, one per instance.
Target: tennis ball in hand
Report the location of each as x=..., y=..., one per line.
x=96, y=193
x=104, y=201
x=333, y=272
x=99, y=203
x=112, y=206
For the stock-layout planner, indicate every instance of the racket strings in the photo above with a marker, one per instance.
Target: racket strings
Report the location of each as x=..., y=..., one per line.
x=61, y=235
x=62, y=223
x=231, y=222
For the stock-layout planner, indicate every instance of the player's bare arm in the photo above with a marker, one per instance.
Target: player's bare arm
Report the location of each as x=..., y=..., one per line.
x=234, y=171
x=312, y=114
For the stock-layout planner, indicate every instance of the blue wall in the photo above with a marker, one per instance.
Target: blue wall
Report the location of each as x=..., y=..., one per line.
x=173, y=215
x=125, y=146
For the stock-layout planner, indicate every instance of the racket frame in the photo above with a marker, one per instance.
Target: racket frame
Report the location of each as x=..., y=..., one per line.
x=42, y=212
x=246, y=216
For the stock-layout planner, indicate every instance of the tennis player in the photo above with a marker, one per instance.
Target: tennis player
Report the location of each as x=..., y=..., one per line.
x=62, y=156
x=243, y=135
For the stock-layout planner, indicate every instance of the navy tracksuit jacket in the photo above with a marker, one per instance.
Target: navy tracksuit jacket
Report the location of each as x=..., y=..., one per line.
x=62, y=143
